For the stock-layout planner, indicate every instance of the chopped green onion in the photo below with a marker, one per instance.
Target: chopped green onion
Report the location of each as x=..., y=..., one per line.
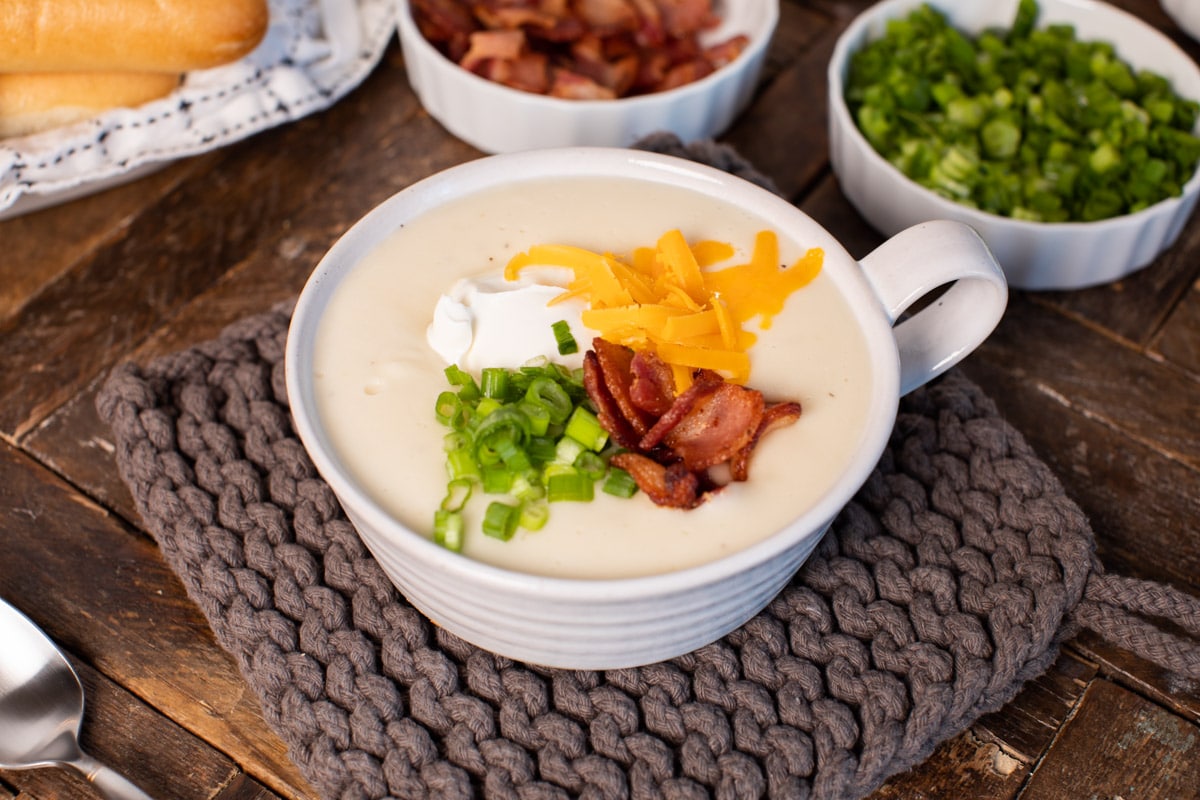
x=620, y=483
x=497, y=479
x=526, y=437
x=449, y=409
x=535, y=514
x=503, y=423
x=456, y=440
x=500, y=520
x=585, y=428
x=527, y=490
x=549, y=394
x=591, y=464
x=538, y=415
x=494, y=383
x=567, y=450
x=573, y=485
x=542, y=449
x=1029, y=122
x=486, y=406
x=468, y=390
x=448, y=529
x=566, y=341
x=513, y=455
x=458, y=492
x=462, y=464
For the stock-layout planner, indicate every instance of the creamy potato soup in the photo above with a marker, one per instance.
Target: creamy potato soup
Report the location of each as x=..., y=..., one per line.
x=377, y=379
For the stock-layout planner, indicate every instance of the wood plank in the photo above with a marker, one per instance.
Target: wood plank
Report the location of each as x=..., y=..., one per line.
x=1137, y=495
x=993, y=759
x=65, y=336
x=1120, y=745
x=124, y=733
x=791, y=149
x=244, y=788
x=1135, y=307
x=105, y=594
x=74, y=441
x=1026, y=727
x=828, y=206
x=42, y=246
x=799, y=25
x=963, y=767
x=1178, y=342
x=1140, y=399
x=1180, y=695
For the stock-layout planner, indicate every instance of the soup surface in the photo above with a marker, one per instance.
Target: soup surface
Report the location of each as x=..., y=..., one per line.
x=377, y=378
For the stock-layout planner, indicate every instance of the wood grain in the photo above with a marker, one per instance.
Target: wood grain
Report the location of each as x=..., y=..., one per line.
x=131, y=737
x=33, y=260
x=965, y=767
x=104, y=594
x=1102, y=382
x=1178, y=342
x=1117, y=741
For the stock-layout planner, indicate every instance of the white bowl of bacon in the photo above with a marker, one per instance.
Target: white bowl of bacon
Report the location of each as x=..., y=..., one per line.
x=600, y=73
x=736, y=379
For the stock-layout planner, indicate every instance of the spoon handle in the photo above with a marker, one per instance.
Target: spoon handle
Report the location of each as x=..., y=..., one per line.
x=109, y=783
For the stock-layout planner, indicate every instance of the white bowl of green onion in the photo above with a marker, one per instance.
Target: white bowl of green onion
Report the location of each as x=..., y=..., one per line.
x=1063, y=131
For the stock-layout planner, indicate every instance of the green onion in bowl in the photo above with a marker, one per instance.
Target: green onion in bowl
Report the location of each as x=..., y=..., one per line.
x=1025, y=121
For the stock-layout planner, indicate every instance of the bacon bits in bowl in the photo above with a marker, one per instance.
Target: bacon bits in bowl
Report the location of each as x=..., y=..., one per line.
x=593, y=407
x=506, y=77
x=1063, y=131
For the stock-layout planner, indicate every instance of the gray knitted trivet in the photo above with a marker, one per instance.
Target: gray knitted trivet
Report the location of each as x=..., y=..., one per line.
x=948, y=581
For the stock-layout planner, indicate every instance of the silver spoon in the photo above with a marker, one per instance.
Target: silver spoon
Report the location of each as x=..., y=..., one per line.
x=41, y=708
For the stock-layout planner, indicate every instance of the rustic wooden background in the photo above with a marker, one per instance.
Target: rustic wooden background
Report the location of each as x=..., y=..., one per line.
x=1103, y=382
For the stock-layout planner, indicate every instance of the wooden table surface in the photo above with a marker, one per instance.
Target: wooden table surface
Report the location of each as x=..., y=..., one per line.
x=1103, y=382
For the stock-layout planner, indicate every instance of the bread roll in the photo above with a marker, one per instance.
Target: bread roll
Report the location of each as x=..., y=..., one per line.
x=127, y=35
x=33, y=102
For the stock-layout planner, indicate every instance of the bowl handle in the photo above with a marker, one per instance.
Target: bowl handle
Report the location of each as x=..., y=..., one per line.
x=915, y=263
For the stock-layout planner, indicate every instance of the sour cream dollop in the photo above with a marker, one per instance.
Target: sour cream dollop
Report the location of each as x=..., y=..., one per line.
x=492, y=322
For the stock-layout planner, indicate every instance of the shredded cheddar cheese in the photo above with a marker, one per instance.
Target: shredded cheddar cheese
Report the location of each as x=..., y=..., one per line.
x=676, y=300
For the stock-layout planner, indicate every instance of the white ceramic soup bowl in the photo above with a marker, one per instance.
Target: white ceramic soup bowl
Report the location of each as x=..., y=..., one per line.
x=499, y=119
x=1034, y=255
x=626, y=621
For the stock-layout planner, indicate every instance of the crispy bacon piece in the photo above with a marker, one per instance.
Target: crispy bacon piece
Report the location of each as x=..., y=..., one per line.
x=668, y=437
x=673, y=486
x=607, y=411
x=704, y=382
x=719, y=426
x=587, y=49
x=612, y=72
x=776, y=415
x=683, y=17
x=607, y=17
x=447, y=24
x=652, y=384
x=683, y=74
x=573, y=86
x=615, y=362
x=724, y=52
x=528, y=73
x=492, y=45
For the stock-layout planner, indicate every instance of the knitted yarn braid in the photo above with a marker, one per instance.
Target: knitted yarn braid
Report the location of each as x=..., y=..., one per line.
x=948, y=581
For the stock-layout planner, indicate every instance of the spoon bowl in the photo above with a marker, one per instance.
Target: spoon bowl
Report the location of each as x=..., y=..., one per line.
x=41, y=708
